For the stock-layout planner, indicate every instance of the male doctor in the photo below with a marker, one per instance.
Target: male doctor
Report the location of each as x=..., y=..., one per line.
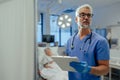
x=91, y=49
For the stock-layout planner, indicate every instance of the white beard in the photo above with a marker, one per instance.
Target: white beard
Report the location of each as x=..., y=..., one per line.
x=82, y=26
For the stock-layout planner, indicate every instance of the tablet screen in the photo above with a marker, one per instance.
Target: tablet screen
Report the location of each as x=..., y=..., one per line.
x=63, y=62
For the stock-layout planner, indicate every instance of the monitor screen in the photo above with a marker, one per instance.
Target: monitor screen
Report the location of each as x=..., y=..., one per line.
x=48, y=38
x=114, y=41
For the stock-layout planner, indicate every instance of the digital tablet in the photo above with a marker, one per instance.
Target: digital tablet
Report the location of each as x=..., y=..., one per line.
x=63, y=62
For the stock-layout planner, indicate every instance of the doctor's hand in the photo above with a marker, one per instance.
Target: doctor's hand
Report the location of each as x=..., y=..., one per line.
x=81, y=67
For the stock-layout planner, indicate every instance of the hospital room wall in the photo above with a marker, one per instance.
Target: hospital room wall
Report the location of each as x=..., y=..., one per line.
x=105, y=16
x=16, y=39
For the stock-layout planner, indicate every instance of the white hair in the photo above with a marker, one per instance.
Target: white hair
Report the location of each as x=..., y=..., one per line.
x=82, y=6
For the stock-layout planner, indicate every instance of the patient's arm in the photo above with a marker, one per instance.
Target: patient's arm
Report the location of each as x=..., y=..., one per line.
x=46, y=65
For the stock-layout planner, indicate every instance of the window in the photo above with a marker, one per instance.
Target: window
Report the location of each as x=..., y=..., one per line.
x=61, y=35
x=101, y=31
x=40, y=28
x=65, y=35
x=38, y=33
x=54, y=29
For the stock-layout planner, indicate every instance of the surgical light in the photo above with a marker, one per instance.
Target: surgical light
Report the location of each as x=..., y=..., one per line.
x=64, y=21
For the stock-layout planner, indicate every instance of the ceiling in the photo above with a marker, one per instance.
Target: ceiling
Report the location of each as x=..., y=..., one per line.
x=58, y=6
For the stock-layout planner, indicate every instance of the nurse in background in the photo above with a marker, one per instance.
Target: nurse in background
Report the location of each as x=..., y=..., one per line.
x=91, y=49
x=109, y=36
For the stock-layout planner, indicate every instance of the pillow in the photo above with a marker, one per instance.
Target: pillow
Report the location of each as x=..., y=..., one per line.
x=54, y=50
x=41, y=53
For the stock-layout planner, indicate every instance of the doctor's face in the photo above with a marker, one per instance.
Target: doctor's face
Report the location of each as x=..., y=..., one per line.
x=84, y=18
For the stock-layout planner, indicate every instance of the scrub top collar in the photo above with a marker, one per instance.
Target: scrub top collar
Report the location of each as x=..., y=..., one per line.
x=88, y=35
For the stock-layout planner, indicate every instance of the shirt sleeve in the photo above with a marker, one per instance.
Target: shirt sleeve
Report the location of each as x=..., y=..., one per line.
x=102, y=50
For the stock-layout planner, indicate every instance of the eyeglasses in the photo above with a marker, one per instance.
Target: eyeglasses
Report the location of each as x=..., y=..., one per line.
x=82, y=15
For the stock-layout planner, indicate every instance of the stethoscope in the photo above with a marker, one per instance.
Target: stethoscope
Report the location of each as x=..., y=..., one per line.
x=83, y=45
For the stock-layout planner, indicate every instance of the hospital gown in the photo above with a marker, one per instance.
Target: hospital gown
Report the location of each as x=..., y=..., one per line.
x=53, y=73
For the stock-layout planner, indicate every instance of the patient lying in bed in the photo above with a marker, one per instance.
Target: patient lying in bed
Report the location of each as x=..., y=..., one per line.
x=50, y=70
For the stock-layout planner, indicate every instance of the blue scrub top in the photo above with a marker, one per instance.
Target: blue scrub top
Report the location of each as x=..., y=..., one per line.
x=98, y=49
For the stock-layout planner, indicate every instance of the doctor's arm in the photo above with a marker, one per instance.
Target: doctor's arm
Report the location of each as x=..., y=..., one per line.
x=101, y=69
x=83, y=67
x=103, y=56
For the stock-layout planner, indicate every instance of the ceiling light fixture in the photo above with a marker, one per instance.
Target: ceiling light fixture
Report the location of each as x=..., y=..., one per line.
x=64, y=21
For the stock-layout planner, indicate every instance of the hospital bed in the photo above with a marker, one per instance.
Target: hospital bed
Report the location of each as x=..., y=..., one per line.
x=41, y=54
